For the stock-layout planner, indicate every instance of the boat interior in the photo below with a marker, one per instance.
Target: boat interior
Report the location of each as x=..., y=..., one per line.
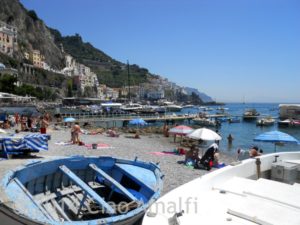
x=81, y=189
x=269, y=196
x=263, y=190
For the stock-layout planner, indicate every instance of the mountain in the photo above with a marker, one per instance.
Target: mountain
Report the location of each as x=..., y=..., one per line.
x=203, y=96
x=110, y=72
x=34, y=34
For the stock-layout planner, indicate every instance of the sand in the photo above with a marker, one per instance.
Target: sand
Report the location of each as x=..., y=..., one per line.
x=175, y=173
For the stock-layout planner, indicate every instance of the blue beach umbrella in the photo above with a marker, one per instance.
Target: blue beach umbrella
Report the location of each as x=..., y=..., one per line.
x=276, y=137
x=69, y=119
x=138, y=121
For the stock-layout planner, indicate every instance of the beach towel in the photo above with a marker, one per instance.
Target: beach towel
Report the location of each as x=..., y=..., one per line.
x=220, y=165
x=99, y=146
x=36, y=142
x=63, y=143
x=163, y=153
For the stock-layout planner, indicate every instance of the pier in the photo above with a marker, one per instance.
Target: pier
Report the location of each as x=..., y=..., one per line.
x=111, y=120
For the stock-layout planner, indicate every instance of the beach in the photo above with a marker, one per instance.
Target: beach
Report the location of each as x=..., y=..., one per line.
x=175, y=173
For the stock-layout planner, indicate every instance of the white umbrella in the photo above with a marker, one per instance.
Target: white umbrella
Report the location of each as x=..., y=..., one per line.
x=204, y=134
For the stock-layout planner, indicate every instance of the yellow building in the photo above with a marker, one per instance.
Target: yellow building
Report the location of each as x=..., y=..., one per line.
x=37, y=59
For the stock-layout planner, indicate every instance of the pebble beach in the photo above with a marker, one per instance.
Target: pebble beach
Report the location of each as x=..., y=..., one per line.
x=175, y=173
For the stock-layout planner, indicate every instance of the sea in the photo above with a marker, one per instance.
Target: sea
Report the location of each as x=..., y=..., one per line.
x=244, y=132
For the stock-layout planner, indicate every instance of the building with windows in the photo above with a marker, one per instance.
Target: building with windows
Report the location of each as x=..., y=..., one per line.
x=8, y=39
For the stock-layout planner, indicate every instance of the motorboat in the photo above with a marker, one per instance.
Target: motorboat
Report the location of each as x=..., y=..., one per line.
x=188, y=106
x=250, y=114
x=205, y=122
x=289, y=123
x=168, y=107
x=77, y=190
x=284, y=123
x=261, y=190
x=234, y=120
x=132, y=107
x=267, y=121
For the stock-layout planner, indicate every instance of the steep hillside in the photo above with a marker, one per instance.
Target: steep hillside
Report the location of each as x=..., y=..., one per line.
x=32, y=32
x=110, y=72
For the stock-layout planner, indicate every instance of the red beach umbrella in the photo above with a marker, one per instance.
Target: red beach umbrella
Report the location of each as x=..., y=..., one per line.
x=181, y=130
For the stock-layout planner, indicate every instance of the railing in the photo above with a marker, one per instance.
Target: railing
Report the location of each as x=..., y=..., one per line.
x=104, y=117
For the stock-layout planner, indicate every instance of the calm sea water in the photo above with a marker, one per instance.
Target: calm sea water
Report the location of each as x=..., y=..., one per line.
x=245, y=132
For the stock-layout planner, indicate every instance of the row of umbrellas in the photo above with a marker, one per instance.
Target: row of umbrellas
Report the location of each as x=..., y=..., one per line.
x=205, y=134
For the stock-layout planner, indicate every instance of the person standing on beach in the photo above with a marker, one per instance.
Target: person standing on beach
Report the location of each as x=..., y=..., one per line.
x=44, y=124
x=75, y=131
x=166, y=130
x=17, y=118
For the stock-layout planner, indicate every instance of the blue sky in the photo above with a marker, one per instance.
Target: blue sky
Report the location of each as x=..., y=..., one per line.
x=230, y=50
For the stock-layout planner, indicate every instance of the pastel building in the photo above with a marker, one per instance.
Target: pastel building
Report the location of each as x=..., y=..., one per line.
x=8, y=39
x=37, y=59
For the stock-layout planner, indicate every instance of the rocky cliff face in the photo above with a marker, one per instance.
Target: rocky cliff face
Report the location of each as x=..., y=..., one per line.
x=32, y=32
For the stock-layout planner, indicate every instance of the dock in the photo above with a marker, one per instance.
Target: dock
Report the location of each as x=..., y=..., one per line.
x=112, y=120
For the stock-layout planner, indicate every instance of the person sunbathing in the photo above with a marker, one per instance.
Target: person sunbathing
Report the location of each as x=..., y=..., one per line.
x=192, y=154
x=112, y=133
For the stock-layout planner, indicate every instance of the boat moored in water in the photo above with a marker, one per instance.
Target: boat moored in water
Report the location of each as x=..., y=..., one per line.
x=250, y=114
x=205, y=122
x=267, y=121
x=78, y=190
x=261, y=190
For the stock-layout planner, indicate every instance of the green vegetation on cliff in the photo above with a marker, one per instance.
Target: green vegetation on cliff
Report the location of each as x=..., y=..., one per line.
x=109, y=71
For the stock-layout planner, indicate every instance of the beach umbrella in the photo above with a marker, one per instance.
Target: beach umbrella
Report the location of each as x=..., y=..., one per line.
x=69, y=119
x=204, y=134
x=276, y=137
x=138, y=121
x=181, y=130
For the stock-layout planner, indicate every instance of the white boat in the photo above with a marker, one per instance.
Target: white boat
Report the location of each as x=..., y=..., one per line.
x=289, y=123
x=267, y=121
x=250, y=114
x=132, y=107
x=205, y=122
x=169, y=107
x=188, y=106
x=263, y=190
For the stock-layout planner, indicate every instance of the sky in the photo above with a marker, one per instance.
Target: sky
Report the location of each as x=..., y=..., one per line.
x=232, y=50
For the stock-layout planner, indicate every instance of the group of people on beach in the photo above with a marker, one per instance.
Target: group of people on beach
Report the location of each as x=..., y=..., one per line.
x=27, y=123
x=211, y=158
